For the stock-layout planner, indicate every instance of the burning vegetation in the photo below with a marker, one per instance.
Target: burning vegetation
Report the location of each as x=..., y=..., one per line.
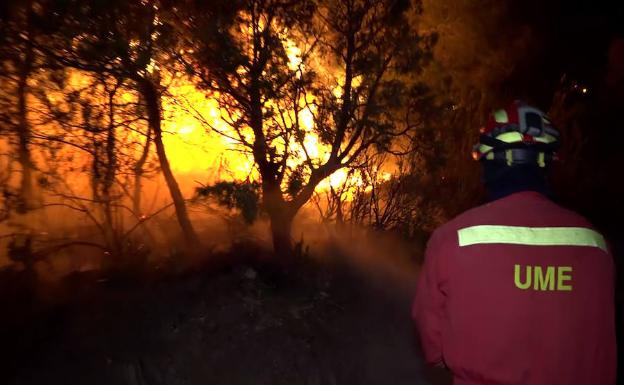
x=140, y=130
x=133, y=131
x=128, y=123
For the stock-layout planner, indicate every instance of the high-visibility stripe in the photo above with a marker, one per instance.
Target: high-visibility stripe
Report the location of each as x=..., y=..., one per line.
x=500, y=116
x=516, y=137
x=546, y=138
x=533, y=236
x=510, y=137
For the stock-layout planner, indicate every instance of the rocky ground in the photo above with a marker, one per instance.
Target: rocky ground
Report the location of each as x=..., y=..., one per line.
x=238, y=324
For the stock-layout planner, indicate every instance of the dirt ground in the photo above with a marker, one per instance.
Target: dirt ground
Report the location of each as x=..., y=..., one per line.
x=239, y=324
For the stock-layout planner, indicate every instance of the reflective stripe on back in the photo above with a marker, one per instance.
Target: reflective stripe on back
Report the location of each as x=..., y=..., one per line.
x=532, y=236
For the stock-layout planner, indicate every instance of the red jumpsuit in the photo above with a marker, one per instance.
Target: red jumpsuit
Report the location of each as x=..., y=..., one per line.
x=518, y=292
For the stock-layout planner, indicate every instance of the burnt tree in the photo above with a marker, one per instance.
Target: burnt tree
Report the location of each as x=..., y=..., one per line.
x=286, y=72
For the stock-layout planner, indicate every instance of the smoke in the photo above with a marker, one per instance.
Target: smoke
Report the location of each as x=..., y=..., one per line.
x=387, y=260
x=154, y=240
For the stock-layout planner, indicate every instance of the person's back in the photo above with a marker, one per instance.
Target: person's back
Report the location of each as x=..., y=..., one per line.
x=529, y=295
x=518, y=292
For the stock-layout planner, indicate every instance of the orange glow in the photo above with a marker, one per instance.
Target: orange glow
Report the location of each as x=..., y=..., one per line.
x=192, y=146
x=197, y=140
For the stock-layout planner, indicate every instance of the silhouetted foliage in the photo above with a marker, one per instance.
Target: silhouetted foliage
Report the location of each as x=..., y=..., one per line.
x=345, y=65
x=244, y=196
x=387, y=94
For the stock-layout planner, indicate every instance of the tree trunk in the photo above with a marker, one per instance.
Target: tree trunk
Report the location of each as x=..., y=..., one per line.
x=109, y=180
x=153, y=104
x=282, y=212
x=138, y=175
x=281, y=227
x=281, y=216
x=23, y=132
x=137, y=192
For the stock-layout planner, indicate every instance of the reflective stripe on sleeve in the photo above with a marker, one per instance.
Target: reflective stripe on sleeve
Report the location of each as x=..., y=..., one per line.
x=533, y=236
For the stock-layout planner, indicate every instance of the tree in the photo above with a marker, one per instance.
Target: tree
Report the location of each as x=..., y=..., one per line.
x=18, y=60
x=481, y=45
x=86, y=129
x=126, y=40
x=288, y=73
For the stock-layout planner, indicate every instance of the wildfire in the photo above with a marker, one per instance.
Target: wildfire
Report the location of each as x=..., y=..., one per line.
x=200, y=145
x=199, y=140
x=193, y=133
x=193, y=146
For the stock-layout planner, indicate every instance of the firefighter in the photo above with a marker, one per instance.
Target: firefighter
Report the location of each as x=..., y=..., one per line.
x=519, y=291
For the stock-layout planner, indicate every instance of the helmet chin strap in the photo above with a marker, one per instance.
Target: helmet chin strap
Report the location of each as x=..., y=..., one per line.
x=522, y=156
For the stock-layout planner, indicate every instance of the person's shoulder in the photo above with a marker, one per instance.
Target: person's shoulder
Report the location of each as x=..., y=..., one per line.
x=568, y=215
x=466, y=217
x=445, y=238
x=522, y=209
x=526, y=208
x=450, y=227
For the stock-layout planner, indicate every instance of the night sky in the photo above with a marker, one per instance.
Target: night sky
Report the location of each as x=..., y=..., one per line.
x=585, y=41
x=572, y=37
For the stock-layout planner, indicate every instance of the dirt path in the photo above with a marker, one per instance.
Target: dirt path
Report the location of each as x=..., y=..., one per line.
x=242, y=325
